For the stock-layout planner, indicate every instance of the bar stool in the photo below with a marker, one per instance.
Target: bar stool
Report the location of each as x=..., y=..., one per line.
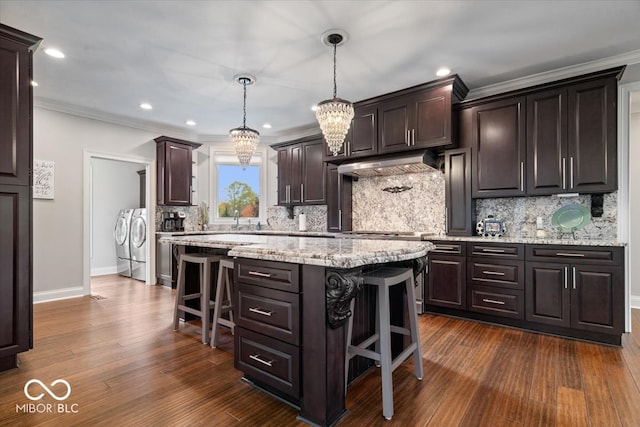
x=223, y=300
x=385, y=278
x=204, y=261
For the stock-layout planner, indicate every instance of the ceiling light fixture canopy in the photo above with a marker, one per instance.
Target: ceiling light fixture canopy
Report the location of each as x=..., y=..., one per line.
x=245, y=140
x=334, y=115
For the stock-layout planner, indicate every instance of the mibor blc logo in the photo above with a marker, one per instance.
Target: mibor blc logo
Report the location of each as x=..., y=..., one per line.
x=35, y=390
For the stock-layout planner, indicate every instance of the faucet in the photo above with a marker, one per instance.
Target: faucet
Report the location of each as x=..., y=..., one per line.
x=236, y=216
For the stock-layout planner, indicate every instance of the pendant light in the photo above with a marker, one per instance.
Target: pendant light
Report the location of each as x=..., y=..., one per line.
x=244, y=139
x=334, y=115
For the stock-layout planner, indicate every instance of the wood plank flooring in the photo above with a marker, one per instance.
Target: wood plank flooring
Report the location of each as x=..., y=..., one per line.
x=127, y=367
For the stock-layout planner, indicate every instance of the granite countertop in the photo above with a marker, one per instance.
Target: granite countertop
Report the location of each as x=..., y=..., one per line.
x=530, y=240
x=252, y=232
x=327, y=252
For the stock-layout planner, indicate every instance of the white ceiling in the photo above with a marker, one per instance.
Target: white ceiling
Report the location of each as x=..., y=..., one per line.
x=181, y=56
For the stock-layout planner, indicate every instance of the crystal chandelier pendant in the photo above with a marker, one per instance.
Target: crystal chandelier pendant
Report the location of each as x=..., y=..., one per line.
x=245, y=140
x=334, y=115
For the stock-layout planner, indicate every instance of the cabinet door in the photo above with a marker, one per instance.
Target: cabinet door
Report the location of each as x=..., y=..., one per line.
x=592, y=136
x=284, y=172
x=393, y=130
x=295, y=177
x=431, y=114
x=457, y=188
x=597, y=300
x=363, y=138
x=15, y=270
x=547, y=293
x=338, y=200
x=446, y=285
x=177, y=174
x=547, y=142
x=498, y=154
x=314, y=175
x=15, y=113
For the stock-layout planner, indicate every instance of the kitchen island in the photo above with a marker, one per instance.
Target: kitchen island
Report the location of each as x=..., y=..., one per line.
x=292, y=299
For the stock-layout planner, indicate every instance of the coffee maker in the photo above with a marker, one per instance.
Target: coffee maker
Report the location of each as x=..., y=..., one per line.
x=173, y=221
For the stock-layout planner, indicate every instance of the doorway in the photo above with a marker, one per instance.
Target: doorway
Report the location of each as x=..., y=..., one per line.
x=104, y=194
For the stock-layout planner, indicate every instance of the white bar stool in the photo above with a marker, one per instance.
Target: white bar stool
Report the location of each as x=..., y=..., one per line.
x=204, y=261
x=385, y=278
x=223, y=301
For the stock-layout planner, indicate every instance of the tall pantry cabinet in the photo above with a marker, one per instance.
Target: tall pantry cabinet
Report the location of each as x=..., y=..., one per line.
x=16, y=160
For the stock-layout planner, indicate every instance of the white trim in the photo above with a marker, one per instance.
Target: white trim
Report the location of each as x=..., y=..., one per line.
x=553, y=75
x=635, y=301
x=311, y=129
x=624, y=219
x=45, y=296
x=103, y=271
x=150, y=175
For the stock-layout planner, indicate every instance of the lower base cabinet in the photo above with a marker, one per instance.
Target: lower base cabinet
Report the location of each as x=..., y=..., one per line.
x=447, y=276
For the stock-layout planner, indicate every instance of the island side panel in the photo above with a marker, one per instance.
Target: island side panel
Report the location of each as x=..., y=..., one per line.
x=322, y=354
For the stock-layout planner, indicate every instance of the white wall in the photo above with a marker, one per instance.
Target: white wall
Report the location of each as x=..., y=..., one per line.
x=634, y=206
x=115, y=186
x=58, y=236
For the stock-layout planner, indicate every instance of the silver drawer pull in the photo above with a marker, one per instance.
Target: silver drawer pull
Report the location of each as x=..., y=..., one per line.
x=568, y=254
x=445, y=248
x=497, y=251
x=257, y=273
x=493, y=273
x=257, y=358
x=492, y=301
x=258, y=311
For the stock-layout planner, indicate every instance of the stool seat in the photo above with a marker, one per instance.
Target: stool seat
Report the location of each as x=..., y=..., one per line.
x=384, y=278
x=204, y=261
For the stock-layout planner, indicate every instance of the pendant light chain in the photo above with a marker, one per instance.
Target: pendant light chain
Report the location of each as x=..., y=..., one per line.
x=244, y=104
x=335, y=85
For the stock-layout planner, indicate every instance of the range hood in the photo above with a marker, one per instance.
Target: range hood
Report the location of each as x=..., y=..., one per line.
x=415, y=163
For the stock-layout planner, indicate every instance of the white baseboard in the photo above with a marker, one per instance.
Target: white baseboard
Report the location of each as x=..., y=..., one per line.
x=64, y=293
x=635, y=301
x=103, y=271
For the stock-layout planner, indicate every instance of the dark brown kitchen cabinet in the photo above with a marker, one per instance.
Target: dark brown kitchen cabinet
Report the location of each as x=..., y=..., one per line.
x=498, y=156
x=301, y=172
x=571, y=139
x=575, y=287
x=447, y=275
x=338, y=200
x=362, y=138
x=174, y=173
x=457, y=188
x=16, y=159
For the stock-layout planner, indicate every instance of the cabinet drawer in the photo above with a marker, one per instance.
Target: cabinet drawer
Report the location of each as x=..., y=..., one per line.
x=602, y=255
x=270, y=274
x=446, y=247
x=269, y=311
x=496, y=250
x=272, y=362
x=504, y=274
x=496, y=301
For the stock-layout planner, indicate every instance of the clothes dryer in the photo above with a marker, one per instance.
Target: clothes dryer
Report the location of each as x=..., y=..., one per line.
x=121, y=237
x=138, y=244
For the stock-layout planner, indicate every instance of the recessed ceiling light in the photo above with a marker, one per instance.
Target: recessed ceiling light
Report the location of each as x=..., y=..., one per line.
x=267, y=125
x=191, y=123
x=443, y=72
x=34, y=83
x=54, y=52
x=146, y=106
x=314, y=107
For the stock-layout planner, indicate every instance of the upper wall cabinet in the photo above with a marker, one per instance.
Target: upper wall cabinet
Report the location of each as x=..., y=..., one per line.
x=173, y=159
x=413, y=118
x=556, y=138
x=301, y=172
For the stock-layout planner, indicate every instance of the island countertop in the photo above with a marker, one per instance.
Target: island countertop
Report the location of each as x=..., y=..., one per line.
x=327, y=252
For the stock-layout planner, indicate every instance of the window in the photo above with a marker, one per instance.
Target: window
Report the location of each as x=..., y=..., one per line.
x=235, y=188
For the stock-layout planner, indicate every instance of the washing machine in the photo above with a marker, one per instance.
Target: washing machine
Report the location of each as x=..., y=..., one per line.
x=138, y=244
x=121, y=237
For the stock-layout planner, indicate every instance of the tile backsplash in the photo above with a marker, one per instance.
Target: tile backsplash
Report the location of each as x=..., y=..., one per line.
x=419, y=208
x=278, y=218
x=519, y=215
x=191, y=221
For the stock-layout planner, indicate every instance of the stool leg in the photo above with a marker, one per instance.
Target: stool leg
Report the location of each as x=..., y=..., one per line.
x=205, y=286
x=179, y=294
x=228, y=286
x=217, y=307
x=349, y=332
x=385, y=352
x=413, y=322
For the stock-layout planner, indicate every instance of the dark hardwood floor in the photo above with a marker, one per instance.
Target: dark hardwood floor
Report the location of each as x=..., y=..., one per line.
x=127, y=367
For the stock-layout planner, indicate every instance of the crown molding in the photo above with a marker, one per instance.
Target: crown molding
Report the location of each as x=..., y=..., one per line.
x=553, y=75
x=116, y=119
x=310, y=129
